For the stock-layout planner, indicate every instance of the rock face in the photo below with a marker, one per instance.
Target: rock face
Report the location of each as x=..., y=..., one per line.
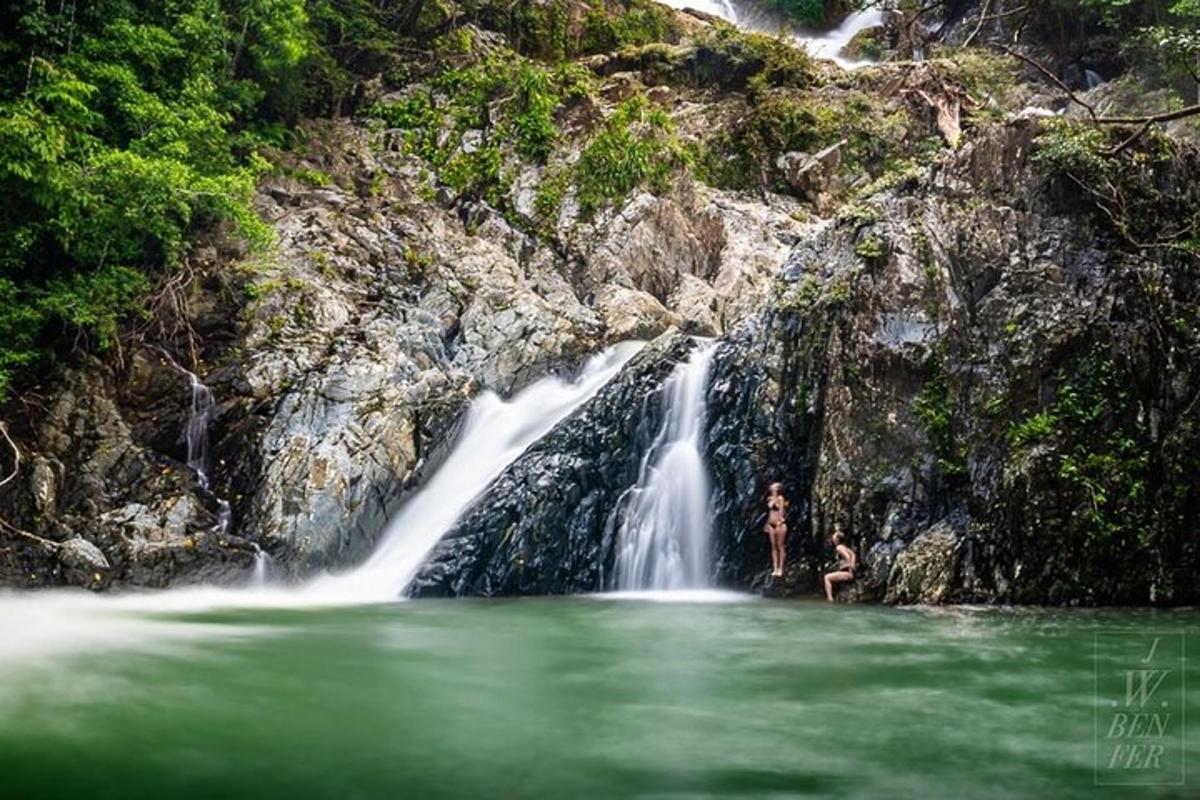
x=545, y=526
x=106, y=506
x=963, y=374
x=970, y=370
x=968, y=375
x=341, y=360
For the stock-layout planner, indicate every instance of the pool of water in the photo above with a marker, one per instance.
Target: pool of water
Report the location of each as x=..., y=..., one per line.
x=710, y=696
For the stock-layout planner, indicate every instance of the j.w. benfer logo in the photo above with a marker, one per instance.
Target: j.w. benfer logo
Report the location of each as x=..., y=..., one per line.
x=1140, y=709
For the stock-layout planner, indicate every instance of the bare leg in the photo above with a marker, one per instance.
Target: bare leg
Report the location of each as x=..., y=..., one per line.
x=835, y=577
x=782, y=547
x=776, y=552
x=774, y=556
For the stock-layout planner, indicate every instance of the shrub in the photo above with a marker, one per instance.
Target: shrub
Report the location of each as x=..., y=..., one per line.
x=635, y=146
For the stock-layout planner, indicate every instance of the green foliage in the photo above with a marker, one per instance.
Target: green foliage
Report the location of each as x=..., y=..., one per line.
x=509, y=98
x=1159, y=37
x=474, y=112
x=119, y=140
x=935, y=408
x=1132, y=188
x=635, y=146
x=554, y=30
x=1075, y=148
x=1032, y=430
x=745, y=155
x=505, y=103
x=870, y=248
x=811, y=12
x=1103, y=453
x=640, y=22
x=990, y=77
x=728, y=56
x=1171, y=52
x=549, y=197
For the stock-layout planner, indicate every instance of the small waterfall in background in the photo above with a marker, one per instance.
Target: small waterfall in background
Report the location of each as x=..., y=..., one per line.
x=663, y=535
x=262, y=566
x=196, y=434
x=494, y=433
x=828, y=44
x=717, y=8
x=831, y=43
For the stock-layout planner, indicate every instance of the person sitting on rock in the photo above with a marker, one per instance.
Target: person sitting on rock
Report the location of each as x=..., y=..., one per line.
x=776, y=528
x=847, y=562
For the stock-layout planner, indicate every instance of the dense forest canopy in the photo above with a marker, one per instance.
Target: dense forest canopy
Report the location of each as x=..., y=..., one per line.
x=128, y=128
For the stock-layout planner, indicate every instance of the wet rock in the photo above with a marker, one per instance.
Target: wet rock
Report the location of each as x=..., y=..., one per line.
x=814, y=176
x=893, y=379
x=924, y=572
x=43, y=487
x=544, y=526
x=83, y=560
x=633, y=314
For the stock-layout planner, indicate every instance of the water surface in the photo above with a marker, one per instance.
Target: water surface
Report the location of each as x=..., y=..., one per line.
x=580, y=697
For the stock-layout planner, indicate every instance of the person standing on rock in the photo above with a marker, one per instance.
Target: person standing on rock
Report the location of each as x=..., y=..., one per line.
x=776, y=528
x=847, y=562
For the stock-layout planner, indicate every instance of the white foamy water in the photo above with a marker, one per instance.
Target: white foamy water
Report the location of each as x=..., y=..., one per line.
x=663, y=534
x=697, y=596
x=494, y=434
x=196, y=433
x=827, y=44
x=830, y=44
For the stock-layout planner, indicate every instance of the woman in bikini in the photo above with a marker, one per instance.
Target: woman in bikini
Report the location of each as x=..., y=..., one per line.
x=776, y=528
x=847, y=562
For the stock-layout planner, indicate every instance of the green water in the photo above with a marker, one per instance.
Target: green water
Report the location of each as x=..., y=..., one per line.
x=575, y=698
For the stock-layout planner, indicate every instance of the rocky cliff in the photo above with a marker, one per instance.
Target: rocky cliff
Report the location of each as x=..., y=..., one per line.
x=947, y=325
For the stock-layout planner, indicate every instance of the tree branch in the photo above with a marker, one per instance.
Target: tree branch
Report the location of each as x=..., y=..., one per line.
x=983, y=13
x=33, y=537
x=1144, y=122
x=16, y=454
x=1054, y=78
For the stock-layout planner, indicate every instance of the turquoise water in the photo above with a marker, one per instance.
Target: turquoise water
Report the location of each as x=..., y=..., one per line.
x=563, y=698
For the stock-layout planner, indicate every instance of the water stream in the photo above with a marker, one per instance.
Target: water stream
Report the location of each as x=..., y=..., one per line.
x=196, y=434
x=821, y=44
x=663, y=536
x=495, y=432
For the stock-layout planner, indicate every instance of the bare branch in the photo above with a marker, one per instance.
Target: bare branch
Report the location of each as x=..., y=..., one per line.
x=16, y=451
x=1144, y=122
x=1054, y=78
x=983, y=15
x=1166, y=116
x=33, y=537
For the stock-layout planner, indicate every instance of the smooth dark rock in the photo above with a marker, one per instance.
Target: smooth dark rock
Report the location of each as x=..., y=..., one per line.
x=545, y=526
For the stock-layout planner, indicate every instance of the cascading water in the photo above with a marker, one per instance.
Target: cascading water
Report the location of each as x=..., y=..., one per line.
x=494, y=434
x=262, y=566
x=831, y=43
x=718, y=8
x=663, y=536
x=196, y=434
x=828, y=44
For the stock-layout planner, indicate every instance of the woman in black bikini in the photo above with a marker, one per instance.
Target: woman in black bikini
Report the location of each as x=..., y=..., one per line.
x=847, y=562
x=776, y=528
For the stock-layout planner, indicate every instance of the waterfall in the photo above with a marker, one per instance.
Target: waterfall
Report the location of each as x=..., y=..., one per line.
x=828, y=44
x=495, y=432
x=717, y=8
x=663, y=538
x=262, y=564
x=196, y=433
x=831, y=43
